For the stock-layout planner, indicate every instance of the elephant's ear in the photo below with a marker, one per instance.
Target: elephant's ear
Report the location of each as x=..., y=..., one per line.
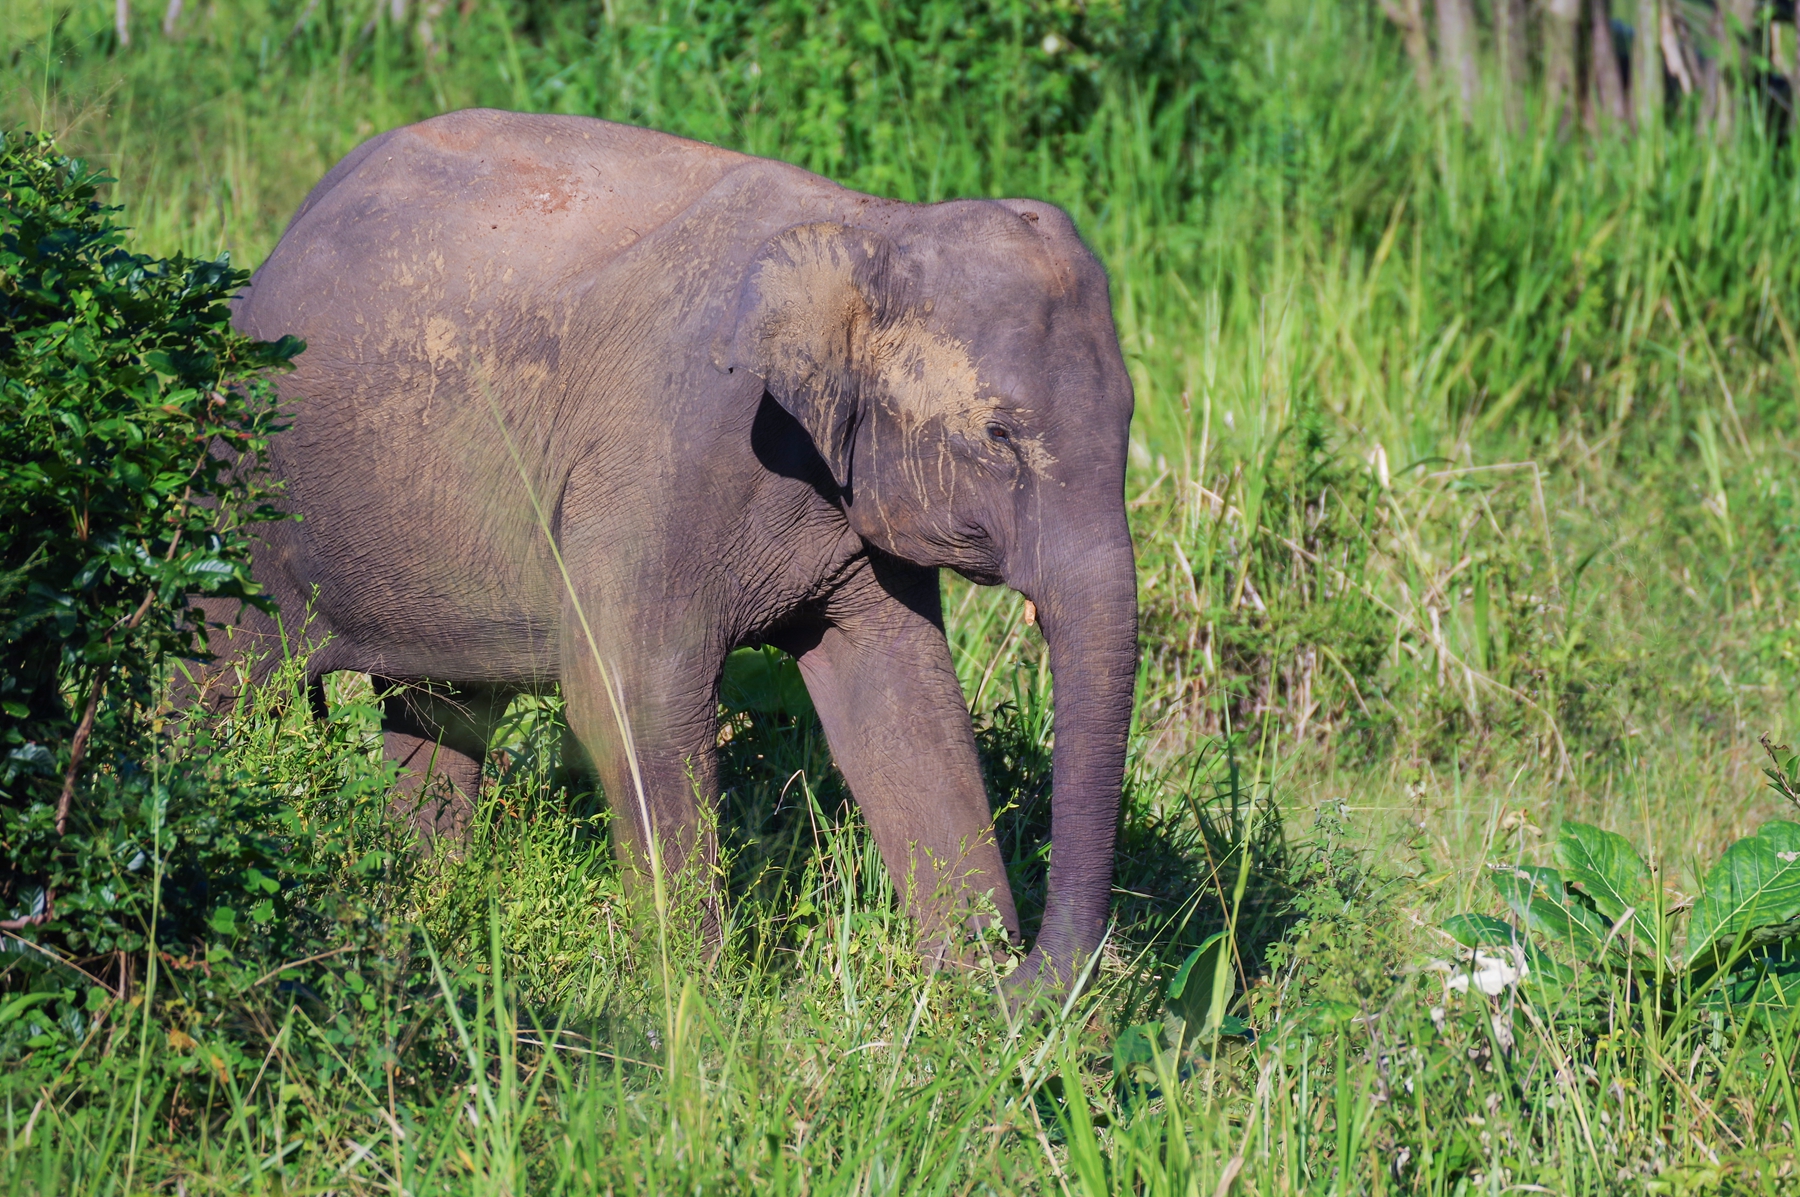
x=800, y=321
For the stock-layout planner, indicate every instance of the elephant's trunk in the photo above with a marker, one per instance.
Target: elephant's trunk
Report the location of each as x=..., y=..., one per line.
x=1087, y=603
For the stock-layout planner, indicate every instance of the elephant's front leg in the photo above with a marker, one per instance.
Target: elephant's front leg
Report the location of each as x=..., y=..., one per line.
x=644, y=705
x=886, y=690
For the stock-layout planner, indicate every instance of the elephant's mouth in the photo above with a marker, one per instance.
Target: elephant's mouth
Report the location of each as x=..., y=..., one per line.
x=981, y=575
x=957, y=543
x=974, y=554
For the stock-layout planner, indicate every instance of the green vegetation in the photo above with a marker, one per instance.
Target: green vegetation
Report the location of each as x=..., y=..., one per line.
x=1466, y=487
x=117, y=372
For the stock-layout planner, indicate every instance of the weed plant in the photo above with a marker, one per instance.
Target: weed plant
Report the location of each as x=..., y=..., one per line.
x=1463, y=481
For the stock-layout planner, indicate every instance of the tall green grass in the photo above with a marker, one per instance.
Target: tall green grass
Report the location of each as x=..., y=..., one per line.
x=1464, y=483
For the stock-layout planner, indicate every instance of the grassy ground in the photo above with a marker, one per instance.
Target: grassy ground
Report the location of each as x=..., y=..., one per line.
x=1466, y=487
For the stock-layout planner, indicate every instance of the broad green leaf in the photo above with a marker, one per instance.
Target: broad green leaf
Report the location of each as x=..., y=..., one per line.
x=23, y=1003
x=1768, y=995
x=1232, y=1025
x=1200, y=991
x=1546, y=970
x=1609, y=869
x=1774, y=933
x=1136, y=1046
x=1756, y=883
x=1191, y=989
x=1539, y=897
x=1480, y=931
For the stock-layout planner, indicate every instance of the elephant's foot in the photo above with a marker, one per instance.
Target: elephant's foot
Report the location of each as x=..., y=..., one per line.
x=682, y=893
x=438, y=737
x=436, y=790
x=1046, y=982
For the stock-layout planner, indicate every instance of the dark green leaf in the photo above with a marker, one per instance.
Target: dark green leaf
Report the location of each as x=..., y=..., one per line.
x=1480, y=931
x=1539, y=897
x=1606, y=866
x=1756, y=883
x=1136, y=1046
x=1191, y=989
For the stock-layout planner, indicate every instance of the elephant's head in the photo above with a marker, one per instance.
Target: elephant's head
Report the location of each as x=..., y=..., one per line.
x=958, y=370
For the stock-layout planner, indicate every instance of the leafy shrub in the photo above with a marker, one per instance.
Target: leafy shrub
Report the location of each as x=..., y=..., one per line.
x=1784, y=770
x=133, y=422
x=1604, y=913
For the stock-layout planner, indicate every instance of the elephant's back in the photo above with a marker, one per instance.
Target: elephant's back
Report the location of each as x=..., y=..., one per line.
x=464, y=209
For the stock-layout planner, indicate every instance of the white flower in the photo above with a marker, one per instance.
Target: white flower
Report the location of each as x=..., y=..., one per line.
x=1053, y=44
x=1492, y=975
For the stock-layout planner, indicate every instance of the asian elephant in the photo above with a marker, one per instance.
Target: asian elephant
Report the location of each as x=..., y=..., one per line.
x=590, y=405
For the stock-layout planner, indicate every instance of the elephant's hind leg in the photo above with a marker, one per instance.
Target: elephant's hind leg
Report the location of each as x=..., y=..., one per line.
x=438, y=734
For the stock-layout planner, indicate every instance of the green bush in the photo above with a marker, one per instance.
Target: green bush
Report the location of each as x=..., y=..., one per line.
x=847, y=90
x=133, y=422
x=1269, y=612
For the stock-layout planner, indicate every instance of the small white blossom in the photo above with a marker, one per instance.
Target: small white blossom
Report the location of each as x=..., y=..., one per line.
x=1492, y=975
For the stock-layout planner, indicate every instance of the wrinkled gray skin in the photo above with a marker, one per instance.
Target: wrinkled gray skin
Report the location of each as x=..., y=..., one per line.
x=588, y=405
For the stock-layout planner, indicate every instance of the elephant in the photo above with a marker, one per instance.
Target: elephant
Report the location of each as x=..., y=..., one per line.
x=591, y=406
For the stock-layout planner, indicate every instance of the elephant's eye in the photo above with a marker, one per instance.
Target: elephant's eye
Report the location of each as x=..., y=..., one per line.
x=998, y=432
